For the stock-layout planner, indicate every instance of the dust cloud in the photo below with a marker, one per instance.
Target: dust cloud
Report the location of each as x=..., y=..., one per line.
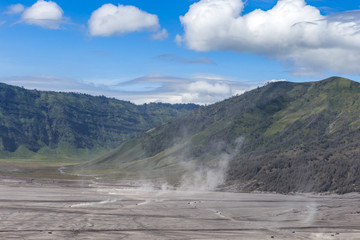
x=206, y=178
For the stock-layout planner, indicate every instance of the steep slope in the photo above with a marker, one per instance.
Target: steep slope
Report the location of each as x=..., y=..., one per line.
x=281, y=137
x=68, y=124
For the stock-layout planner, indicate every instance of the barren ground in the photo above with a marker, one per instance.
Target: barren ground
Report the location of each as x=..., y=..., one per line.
x=50, y=209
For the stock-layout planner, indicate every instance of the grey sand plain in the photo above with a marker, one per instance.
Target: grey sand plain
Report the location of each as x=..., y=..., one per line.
x=50, y=209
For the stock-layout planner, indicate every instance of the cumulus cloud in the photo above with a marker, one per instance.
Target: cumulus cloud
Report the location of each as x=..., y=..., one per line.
x=161, y=35
x=292, y=32
x=44, y=14
x=206, y=92
x=15, y=9
x=111, y=20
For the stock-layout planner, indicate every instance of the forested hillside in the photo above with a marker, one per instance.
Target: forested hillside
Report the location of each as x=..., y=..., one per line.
x=70, y=124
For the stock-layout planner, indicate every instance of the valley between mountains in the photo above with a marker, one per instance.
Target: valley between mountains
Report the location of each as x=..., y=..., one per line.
x=282, y=137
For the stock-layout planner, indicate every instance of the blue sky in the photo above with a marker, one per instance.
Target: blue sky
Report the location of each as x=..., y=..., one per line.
x=175, y=51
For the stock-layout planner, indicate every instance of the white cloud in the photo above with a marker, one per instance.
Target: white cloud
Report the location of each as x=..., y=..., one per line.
x=206, y=92
x=198, y=90
x=277, y=80
x=178, y=40
x=44, y=14
x=111, y=20
x=292, y=32
x=15, y=9
x=160, y=35
x=209, y=88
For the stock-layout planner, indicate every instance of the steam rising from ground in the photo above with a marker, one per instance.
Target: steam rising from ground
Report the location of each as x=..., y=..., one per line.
x=205, y=178
x=209, y=178
x=198, y=177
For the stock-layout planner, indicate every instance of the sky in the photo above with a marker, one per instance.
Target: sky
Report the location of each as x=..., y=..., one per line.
x=179, y=51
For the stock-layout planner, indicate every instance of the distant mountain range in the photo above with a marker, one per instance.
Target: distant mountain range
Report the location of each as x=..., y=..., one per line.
x=43, y=124
x=281, y=137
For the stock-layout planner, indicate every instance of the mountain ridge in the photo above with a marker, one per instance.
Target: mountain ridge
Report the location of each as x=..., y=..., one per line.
x=49, y=123
x=296, y=137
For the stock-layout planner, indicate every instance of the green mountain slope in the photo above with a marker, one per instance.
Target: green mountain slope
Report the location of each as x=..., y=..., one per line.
x=42, y=124
x=282, y=137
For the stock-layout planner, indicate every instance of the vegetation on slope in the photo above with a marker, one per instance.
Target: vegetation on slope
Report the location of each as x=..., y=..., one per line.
x=37, y=124
x=296, y=137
